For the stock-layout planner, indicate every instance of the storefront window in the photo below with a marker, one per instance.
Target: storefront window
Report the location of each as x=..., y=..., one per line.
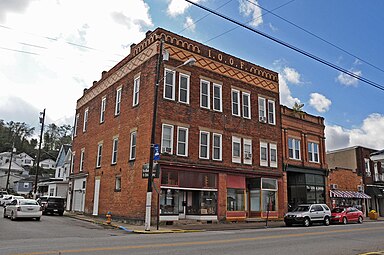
x=169, y=178
x=169, y=201
x=201, y=202
x=269, y=200
x=235, y=200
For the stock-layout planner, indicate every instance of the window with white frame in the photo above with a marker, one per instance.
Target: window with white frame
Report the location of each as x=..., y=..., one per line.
x=216, y=146
x=115, y=144
x=217, y=97
x=246, y=105
x=102, y=109
x=73, y=161
x=118, y=183
x=273, y=155
x=313, y=152
x=136, y=91
x=247, y=151
x=169, y=84
x=182, y=141
x=263, y=154
x=204, y=94
x=26, y=185
x=366, y=164
x=118, y=101
x=235, y=102
x=99, y=154
x=236, y=149
x=204, y=145
x=184, y=81
x=81, y=166
x=262, y=111
x=85, y=123
x=294, y=148
x=132, y=154
x=75, y=125
x=271, y=112
x=167, y=139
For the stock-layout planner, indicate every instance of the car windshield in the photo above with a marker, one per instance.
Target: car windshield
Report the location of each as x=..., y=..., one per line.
x=56, y=200
x=28, y=202
x=337, y=210
x=302, y=208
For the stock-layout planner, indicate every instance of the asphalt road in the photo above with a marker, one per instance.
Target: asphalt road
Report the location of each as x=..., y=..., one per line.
x=64, y=235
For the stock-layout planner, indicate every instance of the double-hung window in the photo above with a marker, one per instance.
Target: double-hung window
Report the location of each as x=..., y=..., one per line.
x=115, y=144
x=235, y=102
x=294, y=148
x=82, y=160
x=246, y=105
x=271, y=112
x=313, y=152
x=73, y=161
x=182, y=141
x=204, y=145
x=184, y=88
x=263, y=154
x=102, y=109
x=167, y=139
x=247, y=151
x=169, y=84
x=273, y=155
x=99, y=154
x=217, y=97
x=136, y=90
x=204, y=94
x=118, y=101
x=75, y=125
x=262, y=111
x=216, y=146
x=85, y=123
x=236, y=149
x=132, y=154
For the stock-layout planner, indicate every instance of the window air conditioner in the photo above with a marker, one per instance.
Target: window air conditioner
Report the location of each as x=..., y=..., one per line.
x=263, y=119
x=368, y=174
x=248, y=155
x=166, y=150
x=334, y=186
x=360, y=188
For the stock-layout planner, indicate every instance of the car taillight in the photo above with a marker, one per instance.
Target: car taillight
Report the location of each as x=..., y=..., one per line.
x=18, y=209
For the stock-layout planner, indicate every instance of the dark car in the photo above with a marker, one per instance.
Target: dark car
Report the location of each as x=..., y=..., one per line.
x=52, y=205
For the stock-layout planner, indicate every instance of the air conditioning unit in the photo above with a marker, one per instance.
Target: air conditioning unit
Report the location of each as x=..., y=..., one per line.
x=263, y=119
x=360, y=188
x=368, y=174
x=248, y=155
x=166, y=150
x=334, y=186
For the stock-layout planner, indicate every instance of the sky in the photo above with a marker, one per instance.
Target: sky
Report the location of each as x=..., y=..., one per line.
x=50, y=51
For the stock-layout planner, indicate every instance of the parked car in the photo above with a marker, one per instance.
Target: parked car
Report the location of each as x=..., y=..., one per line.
x=2, y=193
x=52, y=205
x=23, y=208
x=9, y=199
x=306, y=214
x=3, y=198
x=345, y=215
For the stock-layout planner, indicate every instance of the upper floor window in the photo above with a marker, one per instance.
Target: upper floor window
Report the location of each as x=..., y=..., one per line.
x=184, y=88
x=102, y=109
x=75, y=125
x=216, y=146
x=204, y=145
x=247, y=151
x=99, y=154
x=313, y=152
x=169, y=84
x=273, y=155
x=118, y=101
x=182, y=141
x=85, y=123
x=262, y=111
x=136, y=90
x=294, y=148
x=217, y=97
x=167, y=139
x=235, y=102
x=246, y=105
x=115, y=144
x=366, y=165
x=204, y=94
x=271, y=112
x=263, y=154
x=132, y=154
x=72, y=161
x=236, y=149
x=81, y=167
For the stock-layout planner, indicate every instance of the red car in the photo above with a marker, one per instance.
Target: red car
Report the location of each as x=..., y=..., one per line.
x=345, y=215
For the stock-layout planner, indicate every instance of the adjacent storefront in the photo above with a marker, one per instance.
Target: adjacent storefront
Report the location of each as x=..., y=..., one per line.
x=343, y=198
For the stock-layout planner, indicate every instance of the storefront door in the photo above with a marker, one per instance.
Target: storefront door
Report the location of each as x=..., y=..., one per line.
x=182, y=204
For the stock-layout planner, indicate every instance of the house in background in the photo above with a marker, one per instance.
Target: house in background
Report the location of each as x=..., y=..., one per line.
x=47, y=164
x=24, y=186
x=13, y=177
x=24, y=160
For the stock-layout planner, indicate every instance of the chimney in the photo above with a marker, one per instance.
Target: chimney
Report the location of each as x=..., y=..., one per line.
x=103, y=74
x=85, y=90
x=148, y=33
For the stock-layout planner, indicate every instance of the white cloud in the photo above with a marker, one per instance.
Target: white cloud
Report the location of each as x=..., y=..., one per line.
x=272, y=27
x=178, y=7
x=286, y=97
x=319, y=102
x=291, y=75
x=189, y=24
x=251, y=8
x=7, y=6
x=348, y=80
x=369, y=134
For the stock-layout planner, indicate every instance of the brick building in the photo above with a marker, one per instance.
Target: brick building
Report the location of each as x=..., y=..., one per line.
x=305, y=169
x=218, y=128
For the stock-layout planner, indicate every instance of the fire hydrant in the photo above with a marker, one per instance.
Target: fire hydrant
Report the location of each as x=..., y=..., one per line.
x=109, y=218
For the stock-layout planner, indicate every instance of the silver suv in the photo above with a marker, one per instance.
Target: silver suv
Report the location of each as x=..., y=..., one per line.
x=306, y=214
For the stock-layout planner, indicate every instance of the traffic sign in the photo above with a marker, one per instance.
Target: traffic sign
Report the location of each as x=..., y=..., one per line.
x=155, y=171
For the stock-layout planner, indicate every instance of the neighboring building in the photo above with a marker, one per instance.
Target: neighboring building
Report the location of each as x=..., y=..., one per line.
x=12, y=178
x=218, y=129
x=47, y=164
x=377, y=188
x=24, y=186
x=304, y=157
x=24, y=160
x=358, y=159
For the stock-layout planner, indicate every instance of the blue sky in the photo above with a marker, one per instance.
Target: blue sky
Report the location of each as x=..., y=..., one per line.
x=51, y=50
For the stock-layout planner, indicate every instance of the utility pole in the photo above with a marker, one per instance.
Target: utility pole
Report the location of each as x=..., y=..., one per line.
x=42, y=118
x=10, y=163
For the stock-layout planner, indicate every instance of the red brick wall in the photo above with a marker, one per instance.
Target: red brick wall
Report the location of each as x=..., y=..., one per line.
x=346, y=179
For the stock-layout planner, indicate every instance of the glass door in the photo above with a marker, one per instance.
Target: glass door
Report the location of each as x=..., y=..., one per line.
x=182, y=204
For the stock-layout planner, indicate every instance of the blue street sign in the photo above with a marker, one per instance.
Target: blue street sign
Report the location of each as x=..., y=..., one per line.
x=156, y=152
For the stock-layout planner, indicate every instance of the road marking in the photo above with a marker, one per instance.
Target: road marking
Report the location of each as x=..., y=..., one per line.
x=245, y=239
x=373, y=253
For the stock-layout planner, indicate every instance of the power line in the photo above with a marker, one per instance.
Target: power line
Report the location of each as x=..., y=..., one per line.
x=314, y=57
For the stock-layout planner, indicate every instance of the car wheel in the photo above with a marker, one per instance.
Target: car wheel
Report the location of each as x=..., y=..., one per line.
x=13, y=217
x=37, y=218
x=360, y=220
x=4, y=214
x=61, y=213
x=326, y=221
x=288, y=224
x=307, y=222
x=345, y=221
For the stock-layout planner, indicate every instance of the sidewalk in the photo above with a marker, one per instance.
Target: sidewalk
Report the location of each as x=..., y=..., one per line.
x=180, y=227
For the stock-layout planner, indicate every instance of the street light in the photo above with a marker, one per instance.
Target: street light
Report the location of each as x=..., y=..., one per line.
x=42, y=118
x=148, y=204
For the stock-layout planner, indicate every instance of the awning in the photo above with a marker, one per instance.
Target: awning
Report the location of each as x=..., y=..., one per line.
x=374, y=191
x=347, y=194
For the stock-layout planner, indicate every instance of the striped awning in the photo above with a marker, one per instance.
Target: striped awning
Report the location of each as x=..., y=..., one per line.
x=347, y=194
